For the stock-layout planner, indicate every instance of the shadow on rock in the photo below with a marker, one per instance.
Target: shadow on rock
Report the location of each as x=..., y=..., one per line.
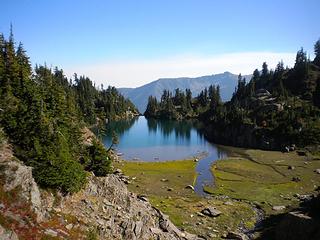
x=302, y=223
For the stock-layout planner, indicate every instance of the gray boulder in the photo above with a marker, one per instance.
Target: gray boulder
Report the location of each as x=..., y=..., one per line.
x=236, y=236
x=278, y=208
x=211, y=212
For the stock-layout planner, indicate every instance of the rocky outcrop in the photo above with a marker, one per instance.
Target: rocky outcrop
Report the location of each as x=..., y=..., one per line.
x=298, y=226
x=15, y=175
x=116, y=213
x=104, y=205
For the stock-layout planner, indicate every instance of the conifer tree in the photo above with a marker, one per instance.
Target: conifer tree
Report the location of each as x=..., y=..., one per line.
x=316, y=94
x=317, y=53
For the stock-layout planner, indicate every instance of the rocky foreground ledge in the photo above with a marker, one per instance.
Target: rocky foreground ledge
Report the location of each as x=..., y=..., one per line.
x=104, y=207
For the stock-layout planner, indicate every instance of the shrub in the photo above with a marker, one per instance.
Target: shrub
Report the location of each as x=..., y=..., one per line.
x=98, y=161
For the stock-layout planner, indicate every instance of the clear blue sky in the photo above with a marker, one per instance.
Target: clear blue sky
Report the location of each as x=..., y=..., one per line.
x=70, y=33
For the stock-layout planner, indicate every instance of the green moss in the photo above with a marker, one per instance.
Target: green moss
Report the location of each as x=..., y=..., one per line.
x=265, y=177
x=183, y=213
x=183, y=205
x=155, y=178
x=251, y=176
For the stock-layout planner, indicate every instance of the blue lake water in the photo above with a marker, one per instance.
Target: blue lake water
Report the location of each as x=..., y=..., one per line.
x=142, y=139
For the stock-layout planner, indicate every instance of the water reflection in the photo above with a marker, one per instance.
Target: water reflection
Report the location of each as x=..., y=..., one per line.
x=120, y=126
x=181, y=129
x=152, y=125
x=161, y=140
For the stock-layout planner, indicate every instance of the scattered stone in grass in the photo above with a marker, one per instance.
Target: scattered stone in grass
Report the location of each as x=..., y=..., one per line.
x=229, y=203
x=164, y=180
x=200, y=214
x=291, y=167
x=278, y=208
x=236, y=236
x=296, y=179
x=143, y=198
x=118, y=171
x=212, y=235
x=292, y=147
x=304, y=197
x=196, y=160
x=317, y=171
x=190, y=187
x=211, y=212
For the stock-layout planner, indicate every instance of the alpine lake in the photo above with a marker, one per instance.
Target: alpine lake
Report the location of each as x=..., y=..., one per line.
x=171, y=164
x=150, y=140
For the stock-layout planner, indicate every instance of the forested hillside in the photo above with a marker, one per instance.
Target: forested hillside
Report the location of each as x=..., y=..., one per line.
x=275, y=109
x=42, y=112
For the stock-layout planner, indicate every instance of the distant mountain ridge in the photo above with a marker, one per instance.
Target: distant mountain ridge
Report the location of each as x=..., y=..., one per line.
x=139, y=96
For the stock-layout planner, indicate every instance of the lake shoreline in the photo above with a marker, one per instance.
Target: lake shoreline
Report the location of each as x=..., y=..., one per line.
x=252, y=203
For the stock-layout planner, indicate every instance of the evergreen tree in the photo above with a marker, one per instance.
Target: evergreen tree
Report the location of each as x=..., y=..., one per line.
x=189, y=99
x=11, y=77
x=316, y=94
x=99, y=161
x=42, y=115
x=265, y=75
x=3, y=82
x=265, y=70
x=254, y=82
x=317, y=53
x=301, y=59
x=25, y=70
x=152, y=107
